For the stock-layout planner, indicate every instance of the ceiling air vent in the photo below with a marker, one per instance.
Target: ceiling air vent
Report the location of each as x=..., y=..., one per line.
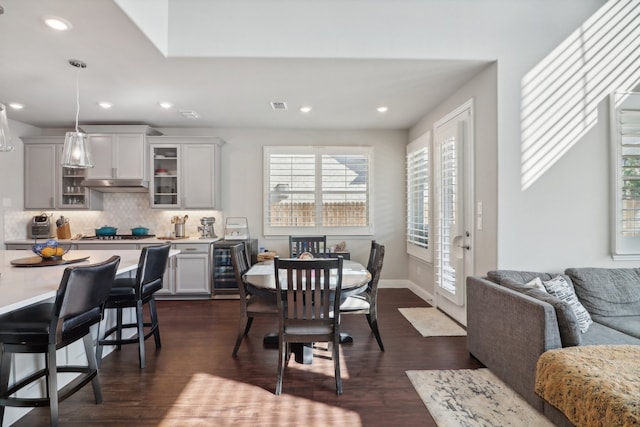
x=279, y=105
x=188, y=114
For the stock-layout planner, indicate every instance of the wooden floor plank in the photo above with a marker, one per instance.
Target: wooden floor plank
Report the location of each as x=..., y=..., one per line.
x=194, y=381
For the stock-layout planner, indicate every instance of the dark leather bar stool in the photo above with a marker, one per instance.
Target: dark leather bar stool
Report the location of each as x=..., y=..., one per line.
x=136, y=292
x=49, y=326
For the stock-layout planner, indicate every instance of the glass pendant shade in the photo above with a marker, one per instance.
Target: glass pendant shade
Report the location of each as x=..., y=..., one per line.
x=75, y=153
x=5, y=136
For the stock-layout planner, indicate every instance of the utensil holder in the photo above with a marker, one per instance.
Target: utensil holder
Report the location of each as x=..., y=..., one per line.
x=63, y=232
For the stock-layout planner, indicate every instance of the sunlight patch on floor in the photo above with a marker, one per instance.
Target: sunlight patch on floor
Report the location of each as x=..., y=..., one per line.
x=206, y=400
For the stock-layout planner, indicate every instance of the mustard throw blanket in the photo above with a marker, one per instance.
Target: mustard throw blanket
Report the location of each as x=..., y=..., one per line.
x=596, y=385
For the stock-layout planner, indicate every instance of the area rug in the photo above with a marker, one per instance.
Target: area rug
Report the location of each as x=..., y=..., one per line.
x=431, y=322
x=473, y=398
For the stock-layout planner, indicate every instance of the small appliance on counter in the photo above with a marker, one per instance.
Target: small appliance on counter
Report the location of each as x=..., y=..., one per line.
x=206, y=229
x=39, y=227
x=179, y=225
x=236, y=228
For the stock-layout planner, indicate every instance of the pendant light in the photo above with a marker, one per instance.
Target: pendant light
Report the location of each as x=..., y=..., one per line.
x=5, y=136
x=75, y=153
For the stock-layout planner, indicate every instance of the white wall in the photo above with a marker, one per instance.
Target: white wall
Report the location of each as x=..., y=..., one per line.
x=516, y=34
x=483, y=90
x=242, y=184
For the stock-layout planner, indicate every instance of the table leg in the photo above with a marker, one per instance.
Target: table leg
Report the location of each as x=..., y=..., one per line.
x=303, y=352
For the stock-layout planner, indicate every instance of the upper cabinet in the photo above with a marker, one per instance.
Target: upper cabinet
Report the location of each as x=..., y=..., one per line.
x=117, y=156
x=185, y=172
x=48, y=185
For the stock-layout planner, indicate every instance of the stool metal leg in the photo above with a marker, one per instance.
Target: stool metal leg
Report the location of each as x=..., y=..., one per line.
x=93, y=367
x=5, y=371
x=52, y=376
x=140, y=321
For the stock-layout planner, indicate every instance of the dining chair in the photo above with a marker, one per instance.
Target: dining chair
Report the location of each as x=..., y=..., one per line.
x=308, y=305
x=315, y=245
x=49, y=326
x=250, y=305
x=135, y=292
x=367, y=302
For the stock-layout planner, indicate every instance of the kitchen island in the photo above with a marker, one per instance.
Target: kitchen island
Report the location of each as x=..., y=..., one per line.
x=23, y=286
x=189, y=274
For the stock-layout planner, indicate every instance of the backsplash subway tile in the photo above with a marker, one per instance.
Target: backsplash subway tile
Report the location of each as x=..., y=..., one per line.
x=121, y=210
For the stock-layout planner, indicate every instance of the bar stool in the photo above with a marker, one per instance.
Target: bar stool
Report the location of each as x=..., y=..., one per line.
x=136, y=292
x=49, y=326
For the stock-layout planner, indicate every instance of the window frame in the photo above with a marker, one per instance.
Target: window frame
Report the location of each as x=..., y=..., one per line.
x=622, y=247
x=319, y=228
x=421, y=143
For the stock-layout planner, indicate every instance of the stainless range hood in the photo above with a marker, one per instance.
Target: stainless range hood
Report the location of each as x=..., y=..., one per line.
x=117, y=185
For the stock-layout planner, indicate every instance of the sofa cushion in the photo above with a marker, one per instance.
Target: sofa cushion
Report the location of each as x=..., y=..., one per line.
x=568, y=325
x=599, y=334
x=629, y=325
x=497, y=276
x=608, y=291
x=560, y=287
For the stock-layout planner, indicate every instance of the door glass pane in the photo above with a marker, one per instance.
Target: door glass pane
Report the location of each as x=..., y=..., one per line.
x=448, y=205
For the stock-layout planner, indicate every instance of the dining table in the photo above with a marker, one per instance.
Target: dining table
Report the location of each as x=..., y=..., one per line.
x=260, y=280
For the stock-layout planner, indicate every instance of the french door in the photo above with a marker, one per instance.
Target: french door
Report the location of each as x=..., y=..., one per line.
x=452, y=138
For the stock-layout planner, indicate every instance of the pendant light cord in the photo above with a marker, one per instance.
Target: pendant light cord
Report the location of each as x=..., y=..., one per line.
x=77, y=97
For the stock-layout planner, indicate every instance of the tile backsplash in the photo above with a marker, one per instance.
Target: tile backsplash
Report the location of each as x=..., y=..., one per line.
x=121, y=210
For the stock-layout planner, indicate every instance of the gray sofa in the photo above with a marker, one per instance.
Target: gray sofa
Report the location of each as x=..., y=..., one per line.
x=509, y=325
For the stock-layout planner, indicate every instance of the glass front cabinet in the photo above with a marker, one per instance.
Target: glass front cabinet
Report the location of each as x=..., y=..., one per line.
x=48, y=185
x=165, y=173
x=185, y=172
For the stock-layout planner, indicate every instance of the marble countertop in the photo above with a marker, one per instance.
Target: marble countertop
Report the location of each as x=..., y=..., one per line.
x=150, y=240
x=22, y=286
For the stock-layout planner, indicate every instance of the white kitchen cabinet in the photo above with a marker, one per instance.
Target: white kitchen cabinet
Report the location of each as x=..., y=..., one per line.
x=117, y=156
x=188, y=274
x=193, y=269
x=48, y=185
x=185, y=172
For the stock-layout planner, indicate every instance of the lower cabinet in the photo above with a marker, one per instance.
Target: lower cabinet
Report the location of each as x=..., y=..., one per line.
x=190, y=272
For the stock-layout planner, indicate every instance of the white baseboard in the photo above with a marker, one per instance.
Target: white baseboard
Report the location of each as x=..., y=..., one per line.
x=428, y=297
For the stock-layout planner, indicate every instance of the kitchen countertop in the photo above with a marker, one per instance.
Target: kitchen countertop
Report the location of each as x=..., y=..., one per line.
x=22, y=286
x=150, y=240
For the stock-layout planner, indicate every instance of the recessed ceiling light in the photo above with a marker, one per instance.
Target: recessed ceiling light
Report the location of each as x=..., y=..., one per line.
x=382, y=109
x=166, y=105
x=105, y=105
x=16, y=105
x=57, y=23
x=305, y=109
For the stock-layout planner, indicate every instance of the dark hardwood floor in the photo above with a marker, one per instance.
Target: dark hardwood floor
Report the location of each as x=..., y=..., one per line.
x=194, y=381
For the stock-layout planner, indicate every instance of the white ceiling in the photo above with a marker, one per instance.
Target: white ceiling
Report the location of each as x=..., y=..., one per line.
x=125, y=68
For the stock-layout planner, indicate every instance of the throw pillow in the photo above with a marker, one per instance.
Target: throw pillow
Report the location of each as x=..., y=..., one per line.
x=568, y=325
x=536, y=284
x=561, y=289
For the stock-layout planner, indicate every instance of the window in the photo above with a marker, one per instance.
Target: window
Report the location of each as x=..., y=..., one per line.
x=418, y=178
x=626, y=146
x=319, y=190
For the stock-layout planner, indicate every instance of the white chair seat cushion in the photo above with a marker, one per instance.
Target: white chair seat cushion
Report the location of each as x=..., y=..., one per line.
x=355, y=303
x=261, y=305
